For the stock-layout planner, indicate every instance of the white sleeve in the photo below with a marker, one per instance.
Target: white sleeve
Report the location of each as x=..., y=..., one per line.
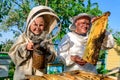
x=63, y=51
x=108, y=41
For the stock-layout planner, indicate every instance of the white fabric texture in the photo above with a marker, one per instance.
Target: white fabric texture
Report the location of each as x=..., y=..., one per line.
x=74, y=44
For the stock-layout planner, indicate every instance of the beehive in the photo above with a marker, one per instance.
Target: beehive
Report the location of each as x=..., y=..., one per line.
x=72, y=75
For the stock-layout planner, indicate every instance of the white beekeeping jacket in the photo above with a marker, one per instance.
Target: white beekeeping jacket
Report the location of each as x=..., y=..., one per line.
x=74, y=44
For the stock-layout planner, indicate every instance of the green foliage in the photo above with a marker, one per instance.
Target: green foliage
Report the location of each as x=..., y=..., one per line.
x=4, y=47
x=11, y=70
x=16, y=18
x=102, y=56
x=117, y=38
x=65, y=9
x=102, y=70
x=4, y=8
x=69, y=8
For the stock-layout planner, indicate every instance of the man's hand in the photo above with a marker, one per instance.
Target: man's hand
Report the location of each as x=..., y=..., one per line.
x=78, y=60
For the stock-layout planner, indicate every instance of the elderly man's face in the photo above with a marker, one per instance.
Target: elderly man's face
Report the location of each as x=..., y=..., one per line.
x=82, y=25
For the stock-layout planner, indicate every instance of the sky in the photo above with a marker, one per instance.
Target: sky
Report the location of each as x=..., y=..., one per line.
x=113, y=7
x=104, y=6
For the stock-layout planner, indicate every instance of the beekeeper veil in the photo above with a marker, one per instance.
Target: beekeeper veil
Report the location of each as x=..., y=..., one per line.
x=49, y=16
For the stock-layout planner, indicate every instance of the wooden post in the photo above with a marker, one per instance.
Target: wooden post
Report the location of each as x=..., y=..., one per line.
x=46, y=2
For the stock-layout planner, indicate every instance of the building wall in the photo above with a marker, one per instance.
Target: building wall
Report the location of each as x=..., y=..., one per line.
x=113, y=58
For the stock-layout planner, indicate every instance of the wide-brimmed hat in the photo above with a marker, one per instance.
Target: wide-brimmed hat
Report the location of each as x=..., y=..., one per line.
x=50, y=17
x=73, y=20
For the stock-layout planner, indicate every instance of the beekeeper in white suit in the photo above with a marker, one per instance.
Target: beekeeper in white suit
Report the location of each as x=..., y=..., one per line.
x=72, y=46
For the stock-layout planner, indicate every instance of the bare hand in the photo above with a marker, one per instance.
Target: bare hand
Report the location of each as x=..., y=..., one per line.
x=78, y=60
x=29, y=46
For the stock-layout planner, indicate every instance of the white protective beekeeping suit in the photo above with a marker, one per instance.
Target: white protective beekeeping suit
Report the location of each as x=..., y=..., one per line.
x=74, y=44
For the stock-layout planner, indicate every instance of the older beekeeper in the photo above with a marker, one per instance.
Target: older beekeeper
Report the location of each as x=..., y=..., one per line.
x=40, y=22
x=72, y=46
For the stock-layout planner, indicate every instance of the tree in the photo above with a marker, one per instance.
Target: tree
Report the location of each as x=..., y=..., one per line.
x=117, y=38
x=5, y=46
x=69, y=8
x=4, y=9
x=15, y=21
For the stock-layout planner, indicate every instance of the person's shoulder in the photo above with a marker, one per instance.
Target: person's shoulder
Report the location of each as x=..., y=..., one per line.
x=69, y=34
x=21, y=37
x=64, y=41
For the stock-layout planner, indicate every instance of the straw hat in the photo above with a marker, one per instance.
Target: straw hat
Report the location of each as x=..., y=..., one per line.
x=49, y=15
x=73, y=20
